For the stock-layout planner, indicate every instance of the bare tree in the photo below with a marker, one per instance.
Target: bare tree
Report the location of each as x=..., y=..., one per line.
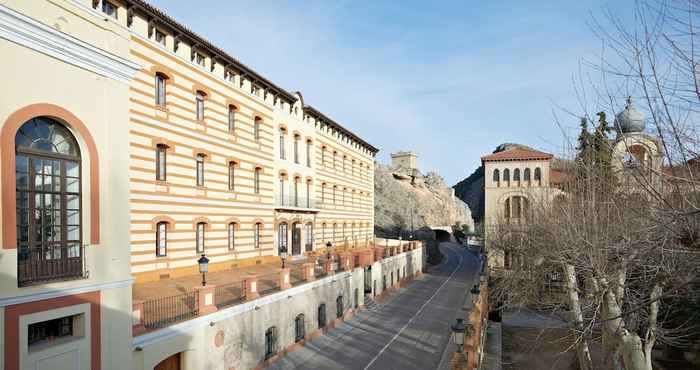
x=620, y=249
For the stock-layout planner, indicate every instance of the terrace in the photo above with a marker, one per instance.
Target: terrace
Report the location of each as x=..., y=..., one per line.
x=162, y=303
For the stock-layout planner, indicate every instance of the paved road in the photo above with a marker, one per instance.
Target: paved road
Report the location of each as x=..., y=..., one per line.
x=407, y=331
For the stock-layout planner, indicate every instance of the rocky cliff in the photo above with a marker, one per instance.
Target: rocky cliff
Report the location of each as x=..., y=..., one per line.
x=408, y=200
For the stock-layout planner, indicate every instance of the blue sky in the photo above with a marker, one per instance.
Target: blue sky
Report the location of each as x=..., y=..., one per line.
x=450, y=80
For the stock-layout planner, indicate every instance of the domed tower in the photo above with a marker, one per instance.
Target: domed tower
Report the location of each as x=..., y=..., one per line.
x=634, y=149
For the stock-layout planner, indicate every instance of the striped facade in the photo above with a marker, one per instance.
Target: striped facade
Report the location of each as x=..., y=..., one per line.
x=235, y=121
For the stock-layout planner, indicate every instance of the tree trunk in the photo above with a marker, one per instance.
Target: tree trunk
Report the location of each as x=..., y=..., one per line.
x=582, y=351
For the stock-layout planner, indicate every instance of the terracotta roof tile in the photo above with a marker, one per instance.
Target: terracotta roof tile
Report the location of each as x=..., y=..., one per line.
x=516, y=154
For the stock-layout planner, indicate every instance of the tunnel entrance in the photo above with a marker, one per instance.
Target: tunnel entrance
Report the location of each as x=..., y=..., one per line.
x=442, y=235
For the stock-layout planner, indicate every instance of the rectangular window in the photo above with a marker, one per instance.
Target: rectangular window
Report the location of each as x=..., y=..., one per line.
x=308, y=194
x=109, y=9
x=200, y=169
x=159, y=36
x=160, y=90
x=231, y=175
x=200, y=106
x=281, y=144
x=161, y=160
x=256, y=129
x=161, y=239
x=256, y=236
x=200, y=237
x=281, y=192
x=50, y=330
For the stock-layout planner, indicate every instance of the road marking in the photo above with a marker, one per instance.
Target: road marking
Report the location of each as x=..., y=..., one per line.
x=417, y=313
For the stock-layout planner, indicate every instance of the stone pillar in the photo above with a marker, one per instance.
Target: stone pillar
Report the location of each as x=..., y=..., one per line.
x=205, y=296
x=137, y=326
x=251, y=288
x=285, y=280
x=327, y=267
x=344, y=259
x=309, y=269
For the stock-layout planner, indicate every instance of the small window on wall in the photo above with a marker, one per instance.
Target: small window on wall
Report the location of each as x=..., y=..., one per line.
x=322, y=315
x=231, y=175
x=538, y=176
x=270, y=342
x=256, y=128
x=200, y=237
x=256, y=235
x=256, y=181
x=200, y=105
x=200, y=169
x=109, y=9
x=231, y=119
x=339, y=307
x=161, y=160
x=299, y=328
x=160, y=89
x=161, y=239
x=308, y=153
x=232, y=236
x=159, y=36
x=46, y=332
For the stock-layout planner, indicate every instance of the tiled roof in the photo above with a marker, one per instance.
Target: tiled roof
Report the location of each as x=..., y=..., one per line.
x=517, y=154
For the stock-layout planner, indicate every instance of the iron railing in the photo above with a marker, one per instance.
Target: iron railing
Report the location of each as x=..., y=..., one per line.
x=50, y=263
x=161, y=312
x=229, y=294
x=290, y=201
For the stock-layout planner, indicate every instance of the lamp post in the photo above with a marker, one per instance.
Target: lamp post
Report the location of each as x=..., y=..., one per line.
x=203, y=268
x=283, y=255
x=458, y=330
x=329, y=245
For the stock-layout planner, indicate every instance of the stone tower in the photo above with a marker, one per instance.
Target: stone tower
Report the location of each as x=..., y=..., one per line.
x=407, y=160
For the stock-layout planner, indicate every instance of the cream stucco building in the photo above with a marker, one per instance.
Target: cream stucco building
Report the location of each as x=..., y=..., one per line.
x=130, y=147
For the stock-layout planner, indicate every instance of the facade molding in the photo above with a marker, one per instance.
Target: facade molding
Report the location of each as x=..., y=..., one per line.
x=25, y=31
x=55, y=293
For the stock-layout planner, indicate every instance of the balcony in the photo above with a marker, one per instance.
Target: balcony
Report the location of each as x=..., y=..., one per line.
x=47, y=264
x=299, y=204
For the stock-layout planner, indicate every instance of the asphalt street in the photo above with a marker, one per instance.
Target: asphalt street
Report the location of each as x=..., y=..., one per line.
x=408, y=330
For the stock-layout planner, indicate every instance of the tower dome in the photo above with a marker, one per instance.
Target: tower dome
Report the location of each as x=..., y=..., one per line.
x=630, y=119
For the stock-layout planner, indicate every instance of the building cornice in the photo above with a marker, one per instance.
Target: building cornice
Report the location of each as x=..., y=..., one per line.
x=61, y=292
x=25, y=31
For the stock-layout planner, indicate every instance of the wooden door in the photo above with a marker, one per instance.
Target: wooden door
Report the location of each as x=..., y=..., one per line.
x=170, y=363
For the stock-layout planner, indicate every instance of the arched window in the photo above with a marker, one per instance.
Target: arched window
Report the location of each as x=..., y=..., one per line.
x=232, y=119
x=280, y=191
x=506, y=210
x=335, y=155
x=323, y=156
x=200, y=169
x=496, y=176
x=538, y=176
x=308, y=193
x=231, y=175
x=256, y=128
x=270, y=342
x=161, y=161
x=232, y=236
x=282, y=237
x=256, y=235
x=335, y=228
x=49, y=206
x=296, y=149
x=299, y=328
x=200, y=105
x=160, y=89
x=334, y=191
x=526, y=175
x=516, y=207
x=200, y=236
x=256, y=180
x=161, y=239
x=323, y=193
x=308, y=153
x=282, y=135
x=339, y=308
x=506, y=175
x=321, y=315
x=296, y=191
x=516, y=174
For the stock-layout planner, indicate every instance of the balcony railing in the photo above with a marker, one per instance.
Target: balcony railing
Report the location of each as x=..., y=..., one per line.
x=161, y=312
x=45, y=264
x=290, y=201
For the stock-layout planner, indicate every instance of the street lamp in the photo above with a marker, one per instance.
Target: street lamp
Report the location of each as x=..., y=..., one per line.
x=329, y=245
x=203, y=268
x=475, y=290
x=458, y=330
x=283, y=255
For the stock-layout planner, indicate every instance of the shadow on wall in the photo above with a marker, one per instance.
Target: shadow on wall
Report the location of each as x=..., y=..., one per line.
x=89, y=323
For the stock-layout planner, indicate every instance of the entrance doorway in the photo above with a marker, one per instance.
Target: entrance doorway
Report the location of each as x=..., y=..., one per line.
x=368, y=280
x=296, y=239
x=170, y=363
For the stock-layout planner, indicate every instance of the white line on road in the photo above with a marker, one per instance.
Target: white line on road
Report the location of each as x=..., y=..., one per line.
x=417, y=313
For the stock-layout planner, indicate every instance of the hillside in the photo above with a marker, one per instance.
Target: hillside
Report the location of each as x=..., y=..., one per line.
x=406, y=200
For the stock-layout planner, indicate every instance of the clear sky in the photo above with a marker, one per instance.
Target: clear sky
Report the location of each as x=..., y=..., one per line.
x=450, y=80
